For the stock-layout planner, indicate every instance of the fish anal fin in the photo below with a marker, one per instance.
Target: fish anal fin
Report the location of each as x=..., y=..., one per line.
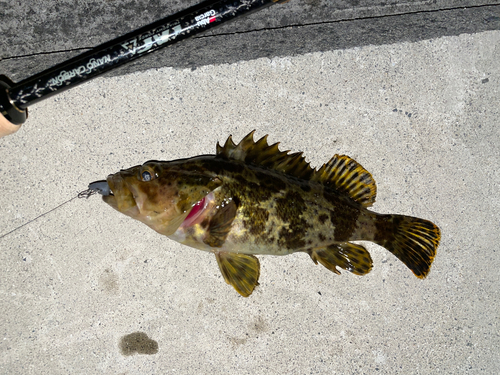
x=262, y=154
x=348, y=177
x=346, y=255
x=220, y=224
x=239, y=270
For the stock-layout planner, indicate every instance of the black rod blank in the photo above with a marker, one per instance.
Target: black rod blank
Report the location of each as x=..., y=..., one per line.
x=124, y=49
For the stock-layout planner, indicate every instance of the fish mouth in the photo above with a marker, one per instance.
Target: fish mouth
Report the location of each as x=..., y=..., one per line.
x=118, y=186
x=119, y=193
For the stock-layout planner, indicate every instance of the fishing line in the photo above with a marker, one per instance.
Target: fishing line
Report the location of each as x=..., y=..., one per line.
x=84, y=194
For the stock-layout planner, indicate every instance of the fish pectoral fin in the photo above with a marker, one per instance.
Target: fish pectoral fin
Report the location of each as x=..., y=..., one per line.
x=220, y=225
x=349, y=256
x=239, y=270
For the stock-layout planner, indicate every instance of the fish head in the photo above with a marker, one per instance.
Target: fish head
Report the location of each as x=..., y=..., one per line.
x=159, y=194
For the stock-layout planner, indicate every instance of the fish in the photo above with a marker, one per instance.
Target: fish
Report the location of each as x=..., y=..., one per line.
x=252, y=199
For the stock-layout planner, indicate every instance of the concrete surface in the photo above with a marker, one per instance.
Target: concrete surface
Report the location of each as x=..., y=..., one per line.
x=39, y=34
x=82, y=282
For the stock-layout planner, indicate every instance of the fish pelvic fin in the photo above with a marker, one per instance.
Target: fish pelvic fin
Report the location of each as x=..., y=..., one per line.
x=346, y=255
x=239, y=270
x=412, y=240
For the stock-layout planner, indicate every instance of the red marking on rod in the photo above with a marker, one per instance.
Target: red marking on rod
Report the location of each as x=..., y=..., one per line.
x=212, y=19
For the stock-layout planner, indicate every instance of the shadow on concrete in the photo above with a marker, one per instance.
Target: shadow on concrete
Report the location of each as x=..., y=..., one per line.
x=42, y=34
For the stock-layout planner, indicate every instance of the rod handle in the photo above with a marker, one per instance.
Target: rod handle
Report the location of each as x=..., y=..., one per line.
x=7, y=127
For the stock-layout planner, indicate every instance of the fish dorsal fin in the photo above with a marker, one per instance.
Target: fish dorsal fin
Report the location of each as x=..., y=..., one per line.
x=265, y=155
x=341, y=173
x=348, y=177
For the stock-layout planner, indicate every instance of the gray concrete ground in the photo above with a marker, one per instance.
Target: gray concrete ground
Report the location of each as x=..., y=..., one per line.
x=421, y=117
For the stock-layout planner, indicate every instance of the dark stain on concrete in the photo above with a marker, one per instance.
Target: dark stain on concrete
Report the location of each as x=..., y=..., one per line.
x=108, y=281
x=137, y=342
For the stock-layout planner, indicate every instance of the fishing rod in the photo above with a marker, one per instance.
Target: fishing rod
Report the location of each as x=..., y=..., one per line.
x=15, y=98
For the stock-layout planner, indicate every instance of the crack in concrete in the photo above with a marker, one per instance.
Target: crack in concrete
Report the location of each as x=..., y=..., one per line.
x=352, y=19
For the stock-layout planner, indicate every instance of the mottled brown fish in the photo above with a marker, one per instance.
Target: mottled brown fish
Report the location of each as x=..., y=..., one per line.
x=252, y=199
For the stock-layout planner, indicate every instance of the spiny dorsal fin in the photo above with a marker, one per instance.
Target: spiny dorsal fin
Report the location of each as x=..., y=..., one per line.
x=265, y=155
x=348, y=177
x=341, y=173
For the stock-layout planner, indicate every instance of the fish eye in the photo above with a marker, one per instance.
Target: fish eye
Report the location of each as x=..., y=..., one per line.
x=147, y=173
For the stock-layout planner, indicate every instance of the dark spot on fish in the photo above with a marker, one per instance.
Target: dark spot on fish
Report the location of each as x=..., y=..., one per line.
x=291, y=239
x=284, y=236
x=321, y=237
x=272, y=182
x=205, y=222
x=289, y=209
x=138, y=342
x=322, y=218
x=233, y=167
x=185, y=203
x=256, y=219
x=290, y=206
x=343, y=218
x=152, y=191
x=305, y=188
x=235, y=199
x=385, y=228
x=265, y=238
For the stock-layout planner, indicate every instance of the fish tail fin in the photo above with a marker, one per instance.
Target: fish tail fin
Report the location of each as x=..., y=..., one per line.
x=412, y=240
